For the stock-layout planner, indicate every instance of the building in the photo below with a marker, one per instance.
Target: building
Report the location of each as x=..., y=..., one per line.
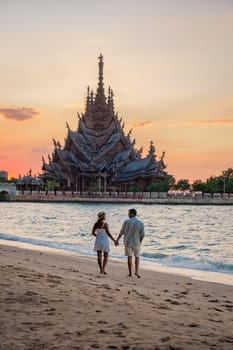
x=99, y=156
x=4, y=175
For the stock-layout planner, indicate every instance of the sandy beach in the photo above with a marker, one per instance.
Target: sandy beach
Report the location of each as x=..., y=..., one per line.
x=50, y=300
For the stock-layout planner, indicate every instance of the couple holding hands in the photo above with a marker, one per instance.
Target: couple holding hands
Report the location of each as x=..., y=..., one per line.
x=133, y=232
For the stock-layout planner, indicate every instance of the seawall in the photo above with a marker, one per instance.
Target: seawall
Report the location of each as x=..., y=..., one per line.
x=68, y=197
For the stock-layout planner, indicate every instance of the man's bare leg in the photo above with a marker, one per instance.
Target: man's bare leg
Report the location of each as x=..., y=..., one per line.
x=99, y=259
x=130, y=265
x=105, y=262
x=137, y=259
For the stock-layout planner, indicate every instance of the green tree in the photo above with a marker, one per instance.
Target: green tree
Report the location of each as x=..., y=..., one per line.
x=183, y=185
x=51, y=185
x=163, y=186
x=198, y=185
x=170, y=181
x=158, y=187
x=214, y=185
x=229, y=185
x=227, y=179
x=13, y=180
x=133, y=189
x=228, y=173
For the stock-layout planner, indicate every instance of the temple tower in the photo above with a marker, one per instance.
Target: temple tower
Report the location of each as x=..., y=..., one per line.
x=98, y=155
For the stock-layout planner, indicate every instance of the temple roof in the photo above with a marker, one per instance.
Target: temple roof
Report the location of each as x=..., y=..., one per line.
x=100, y=144
x=139, y=169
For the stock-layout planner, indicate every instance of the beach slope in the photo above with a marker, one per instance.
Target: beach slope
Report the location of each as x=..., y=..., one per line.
x=50, y=300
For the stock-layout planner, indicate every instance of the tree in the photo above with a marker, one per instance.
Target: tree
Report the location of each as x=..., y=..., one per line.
x=228, y=173
x=198, y=185
x=170, y=181
x=229, y=185
x=158, y=187
x=214, y=185
x=51, y=185
x=13, y=180
x=227, y=179
x=183, y=185
x=163, y=186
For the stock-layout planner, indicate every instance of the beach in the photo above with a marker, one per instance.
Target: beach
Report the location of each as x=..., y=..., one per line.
x=57, y=300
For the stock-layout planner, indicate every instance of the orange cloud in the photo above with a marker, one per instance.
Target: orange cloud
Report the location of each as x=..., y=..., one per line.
x=213, y=122
x=140, y=124
x=19, y=114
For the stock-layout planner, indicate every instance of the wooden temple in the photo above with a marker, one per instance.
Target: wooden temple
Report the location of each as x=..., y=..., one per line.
x=99, y=156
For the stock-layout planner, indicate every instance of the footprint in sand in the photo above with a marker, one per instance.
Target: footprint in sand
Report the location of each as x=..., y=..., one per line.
x=102, y=322
x=164, y=307
x=228, y=307
x=103, y=331
x=122, y=325
x=214, y=320
x=184, y=292
x=119, y=334
x=165, y=339
x=173, y=302
x=213, y=301
x=44, y=301
x=106, y=286
x=219, y=310
x=205, y=295
x=30, y=293
x=193, y=325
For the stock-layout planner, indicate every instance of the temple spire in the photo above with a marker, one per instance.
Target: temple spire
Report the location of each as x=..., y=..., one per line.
x=101, y=75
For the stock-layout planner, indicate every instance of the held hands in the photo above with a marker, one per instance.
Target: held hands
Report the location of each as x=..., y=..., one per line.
x=116, y=243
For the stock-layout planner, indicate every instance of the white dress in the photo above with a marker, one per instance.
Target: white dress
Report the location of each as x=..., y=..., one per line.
x=101, y=241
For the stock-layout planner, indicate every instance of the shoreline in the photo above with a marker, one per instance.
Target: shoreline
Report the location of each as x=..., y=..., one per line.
x=52, y=301
x=145, y=264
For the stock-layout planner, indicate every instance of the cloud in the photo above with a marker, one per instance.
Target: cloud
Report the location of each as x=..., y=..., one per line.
x=140, y=124
x=224, y=121
x=19, y=114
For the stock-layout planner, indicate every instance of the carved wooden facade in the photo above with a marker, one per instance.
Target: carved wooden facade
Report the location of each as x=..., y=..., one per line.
x=99, y=155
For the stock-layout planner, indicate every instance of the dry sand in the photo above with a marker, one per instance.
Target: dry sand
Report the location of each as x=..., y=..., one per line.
x=54, y=301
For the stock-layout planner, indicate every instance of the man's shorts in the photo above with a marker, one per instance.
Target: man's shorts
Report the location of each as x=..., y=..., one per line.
x=130, y=251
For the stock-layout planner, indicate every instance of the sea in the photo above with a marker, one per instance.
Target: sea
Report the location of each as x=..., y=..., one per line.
x=189, y=240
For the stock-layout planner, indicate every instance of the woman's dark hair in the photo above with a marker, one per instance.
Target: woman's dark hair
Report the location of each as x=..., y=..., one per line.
x=99, y=223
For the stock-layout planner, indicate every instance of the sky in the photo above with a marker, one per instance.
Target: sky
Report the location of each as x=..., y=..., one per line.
x=169, y=63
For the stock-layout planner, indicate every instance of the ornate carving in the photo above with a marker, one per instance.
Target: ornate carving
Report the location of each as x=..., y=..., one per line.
x=99, y=143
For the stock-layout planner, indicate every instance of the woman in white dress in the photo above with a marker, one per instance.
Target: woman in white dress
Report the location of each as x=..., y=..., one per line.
x=101, y=232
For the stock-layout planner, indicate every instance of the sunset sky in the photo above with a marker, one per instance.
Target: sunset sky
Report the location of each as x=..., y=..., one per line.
x=169, y=63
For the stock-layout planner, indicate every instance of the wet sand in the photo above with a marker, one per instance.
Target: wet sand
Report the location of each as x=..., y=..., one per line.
x=54, y=301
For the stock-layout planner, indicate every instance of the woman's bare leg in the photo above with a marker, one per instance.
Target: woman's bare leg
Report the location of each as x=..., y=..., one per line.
x=105, y=262
x=99, y=259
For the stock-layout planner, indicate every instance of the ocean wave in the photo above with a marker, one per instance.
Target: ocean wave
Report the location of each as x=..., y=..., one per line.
x=163, y=259
x=179, y=261
x=57, y=245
